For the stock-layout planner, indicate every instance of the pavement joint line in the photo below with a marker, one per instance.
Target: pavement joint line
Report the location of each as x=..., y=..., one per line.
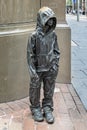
x=74, y=42
x=84, y=72
x=82, y=61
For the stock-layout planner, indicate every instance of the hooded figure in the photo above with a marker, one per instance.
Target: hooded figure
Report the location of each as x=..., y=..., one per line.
x=43, y=57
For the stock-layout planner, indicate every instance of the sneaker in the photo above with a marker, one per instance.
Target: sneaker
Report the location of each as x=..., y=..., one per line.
x=37, y=115
x=48, y=115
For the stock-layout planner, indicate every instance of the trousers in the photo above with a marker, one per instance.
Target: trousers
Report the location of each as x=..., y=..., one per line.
x=48, y=79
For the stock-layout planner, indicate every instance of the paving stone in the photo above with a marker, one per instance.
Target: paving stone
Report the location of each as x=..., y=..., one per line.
x=1, y=112
x=62, y=123
x=14, y=106
x=78, y=67
x=5, y=109
x=26, y=113
x=80, y=125
x=26, y=100
x=82, y=110
x=85, y=122
x=67, y=111
x=72, y=90
x=28, y=124
x=77, y=100
x=59, y=104
x=69, y=101
x=77, y=62
x=81, y=55
x=42, y=126
x=74, y=114
x=64, y=88
x=56, y=90
x=79, y=74
x=4, y=123
x=9, y=124
x=22, y=104
x=85, y=70
x=67, y=96
x=81, y=89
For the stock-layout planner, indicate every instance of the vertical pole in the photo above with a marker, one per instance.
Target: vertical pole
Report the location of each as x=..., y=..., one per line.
x=78, y=10
x=40, y=3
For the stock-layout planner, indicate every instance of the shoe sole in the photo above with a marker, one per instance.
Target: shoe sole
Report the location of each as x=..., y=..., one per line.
x=38, y=120
x=50, y=122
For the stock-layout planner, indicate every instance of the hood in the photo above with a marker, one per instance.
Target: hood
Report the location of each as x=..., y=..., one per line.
x=44, y=15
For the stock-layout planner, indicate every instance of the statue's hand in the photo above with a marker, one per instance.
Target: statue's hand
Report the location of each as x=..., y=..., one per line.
x=35, y=77
x=54, y=68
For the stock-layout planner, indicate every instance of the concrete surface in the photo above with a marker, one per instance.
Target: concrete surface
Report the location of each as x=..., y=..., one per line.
x=79, y=55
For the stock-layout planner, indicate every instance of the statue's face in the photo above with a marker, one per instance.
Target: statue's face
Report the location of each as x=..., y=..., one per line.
x=50, y=22
x=48, y=25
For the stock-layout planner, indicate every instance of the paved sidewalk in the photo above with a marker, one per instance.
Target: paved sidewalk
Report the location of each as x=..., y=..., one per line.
x=69, y=113
x=79, y=55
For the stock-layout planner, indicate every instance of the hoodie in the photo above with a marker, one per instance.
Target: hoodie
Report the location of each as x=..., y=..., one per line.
x=42, y=50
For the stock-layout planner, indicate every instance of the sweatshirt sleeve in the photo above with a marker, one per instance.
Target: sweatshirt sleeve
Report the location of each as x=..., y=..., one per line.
x=31, y=55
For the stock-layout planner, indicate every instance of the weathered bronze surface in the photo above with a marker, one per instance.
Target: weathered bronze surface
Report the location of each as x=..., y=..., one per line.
x=43, y=60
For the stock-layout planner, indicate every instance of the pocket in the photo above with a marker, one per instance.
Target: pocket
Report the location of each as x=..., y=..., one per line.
x=55, y=67
x=54, y=70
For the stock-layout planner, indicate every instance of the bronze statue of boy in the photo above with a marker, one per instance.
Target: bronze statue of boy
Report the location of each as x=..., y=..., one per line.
x=43, y=57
